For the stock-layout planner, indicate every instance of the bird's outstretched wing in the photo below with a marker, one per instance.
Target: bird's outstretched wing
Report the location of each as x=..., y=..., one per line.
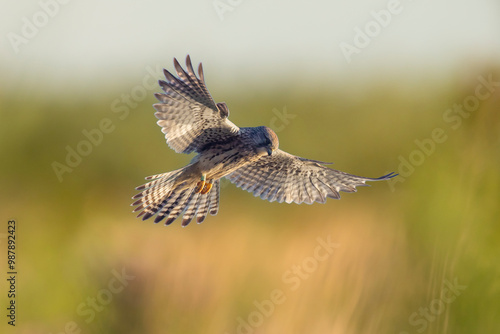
x=188, y=116
x=284, y=177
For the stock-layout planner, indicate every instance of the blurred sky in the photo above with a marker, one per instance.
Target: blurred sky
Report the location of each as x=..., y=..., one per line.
x=81, y=41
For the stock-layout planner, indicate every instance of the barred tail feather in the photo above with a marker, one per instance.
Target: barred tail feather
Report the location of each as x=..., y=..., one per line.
x=202, y=208
x=214, y=198
x=166, y=198
x=191, y=208
x=175, y=209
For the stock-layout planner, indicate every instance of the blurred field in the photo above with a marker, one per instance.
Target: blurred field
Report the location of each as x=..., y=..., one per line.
x=398, y=247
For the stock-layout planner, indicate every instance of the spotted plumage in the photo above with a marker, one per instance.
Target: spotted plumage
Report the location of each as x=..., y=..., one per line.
x=248, y=157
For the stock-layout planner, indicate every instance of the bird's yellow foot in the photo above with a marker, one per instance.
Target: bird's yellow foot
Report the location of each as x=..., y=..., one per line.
x=206, y=188
x=199, y=186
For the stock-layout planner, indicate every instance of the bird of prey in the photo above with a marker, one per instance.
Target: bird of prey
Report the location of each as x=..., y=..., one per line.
x=248, y=157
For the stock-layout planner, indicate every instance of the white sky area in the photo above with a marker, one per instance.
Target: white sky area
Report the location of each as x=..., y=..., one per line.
x=260, y=40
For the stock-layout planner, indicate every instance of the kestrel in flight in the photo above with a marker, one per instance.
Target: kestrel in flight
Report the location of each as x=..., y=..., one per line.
x=248, y=157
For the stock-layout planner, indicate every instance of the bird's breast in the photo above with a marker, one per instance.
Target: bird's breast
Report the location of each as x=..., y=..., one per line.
x=218, y=162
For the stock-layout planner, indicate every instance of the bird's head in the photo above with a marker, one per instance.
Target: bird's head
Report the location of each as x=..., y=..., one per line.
x=267, y=141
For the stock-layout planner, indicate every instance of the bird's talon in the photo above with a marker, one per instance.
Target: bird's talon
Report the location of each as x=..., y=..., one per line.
x=199, y=186
x=206, y=188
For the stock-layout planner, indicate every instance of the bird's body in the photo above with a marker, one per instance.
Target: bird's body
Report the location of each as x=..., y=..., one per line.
x=248, y=157
x=222, y=158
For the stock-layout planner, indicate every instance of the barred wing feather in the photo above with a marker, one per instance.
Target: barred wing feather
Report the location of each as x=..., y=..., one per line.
x=284, y=177
x=187, y=114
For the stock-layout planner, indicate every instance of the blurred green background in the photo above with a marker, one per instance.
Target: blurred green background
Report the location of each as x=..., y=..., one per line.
x=418, y=254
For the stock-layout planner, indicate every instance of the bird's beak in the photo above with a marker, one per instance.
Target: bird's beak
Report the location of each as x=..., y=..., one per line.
x=269, y=151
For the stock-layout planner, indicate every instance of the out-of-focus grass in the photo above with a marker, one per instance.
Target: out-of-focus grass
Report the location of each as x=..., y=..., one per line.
x=395, y=248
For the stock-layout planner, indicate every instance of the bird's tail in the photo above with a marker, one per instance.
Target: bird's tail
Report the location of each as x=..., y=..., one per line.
x=170, y=195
